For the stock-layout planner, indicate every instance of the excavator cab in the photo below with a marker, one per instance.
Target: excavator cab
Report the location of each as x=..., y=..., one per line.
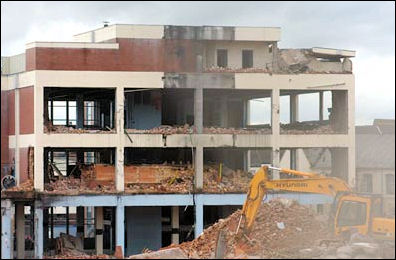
x=364, y=214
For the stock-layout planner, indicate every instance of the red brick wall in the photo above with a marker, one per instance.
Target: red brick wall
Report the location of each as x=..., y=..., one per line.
x=133, y=55
x=26, y=110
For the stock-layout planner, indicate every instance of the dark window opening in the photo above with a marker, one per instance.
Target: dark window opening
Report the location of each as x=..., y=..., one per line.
x=222, y=59
x=247, y=59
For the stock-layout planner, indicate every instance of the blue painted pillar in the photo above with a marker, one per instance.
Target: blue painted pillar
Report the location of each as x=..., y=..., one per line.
x=120, y=227
x=198, y=217
x=6, y=230
x=38, y=230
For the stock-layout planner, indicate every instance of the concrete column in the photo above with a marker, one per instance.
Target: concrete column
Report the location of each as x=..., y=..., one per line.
x=198, y=218
x=320, y=105
x=293, y=108
x=17, y=127
x=293, y=158
x=38, y=230
x=6, y=230
x=246, y=112
x=351, y=137
x=198, y=109
x=80, y=225
x=80, y=111
x=175, y=225
x=119, y=168
x=120, y=227
x=99, y=230
x=119, y=162
x=20, y=229
x=275, y=122
x=38, y=168
x=198, y=165
x=224, y=112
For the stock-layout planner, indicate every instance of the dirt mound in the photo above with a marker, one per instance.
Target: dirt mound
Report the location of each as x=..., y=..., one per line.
x=282, y=228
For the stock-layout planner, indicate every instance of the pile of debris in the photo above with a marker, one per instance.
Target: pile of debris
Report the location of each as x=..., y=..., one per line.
x=86, y=184
x=24, y=186
x=237, y=70
x=282, y=228
x=187, y=129
x=352, y=249
x=70, y=247
x=180, y=179
x=49, y=128
x=307, y=128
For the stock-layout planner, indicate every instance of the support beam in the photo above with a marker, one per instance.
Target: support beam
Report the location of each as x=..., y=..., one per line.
x=119, y=163
x=6, y=230
x=175, y=225
x=293, y=108
x=80, y=226
x=99, y=230
x=20, y=229
x=198, y=110
x=293, y=158
x=198, y=218
x=198, y=165
x=67, y=221
x=120, y=227
x=80, y=111
x=38, y=168
x=275, y=123
x=320, y=105
x=38, y=230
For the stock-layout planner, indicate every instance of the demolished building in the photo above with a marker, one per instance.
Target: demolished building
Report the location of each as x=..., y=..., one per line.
x=146, y=130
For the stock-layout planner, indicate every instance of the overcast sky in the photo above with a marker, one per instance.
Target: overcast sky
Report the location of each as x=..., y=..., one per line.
x=367, y=27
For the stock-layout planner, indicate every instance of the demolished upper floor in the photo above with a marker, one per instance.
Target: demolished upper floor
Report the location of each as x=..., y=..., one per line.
x=179, y=49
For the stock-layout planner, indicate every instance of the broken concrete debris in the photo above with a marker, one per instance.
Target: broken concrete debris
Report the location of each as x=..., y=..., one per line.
x=187, y=129
x=142, y=179
x=49, y=128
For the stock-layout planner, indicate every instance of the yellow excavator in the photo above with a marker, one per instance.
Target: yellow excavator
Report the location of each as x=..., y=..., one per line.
x=351, y=211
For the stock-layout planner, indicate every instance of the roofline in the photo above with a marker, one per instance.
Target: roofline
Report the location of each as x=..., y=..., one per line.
x=229, y=26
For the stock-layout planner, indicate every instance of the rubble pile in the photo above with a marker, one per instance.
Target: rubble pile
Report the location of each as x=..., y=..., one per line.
x=84, y=185
x=182, y=181
x=70, y=247
x=221, y=69
x=187, y=129
x=49, y=128
x=356, y=247
x=282, y=228
x=306, y=128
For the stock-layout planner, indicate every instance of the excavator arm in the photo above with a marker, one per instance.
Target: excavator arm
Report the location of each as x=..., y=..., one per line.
x=309, y=183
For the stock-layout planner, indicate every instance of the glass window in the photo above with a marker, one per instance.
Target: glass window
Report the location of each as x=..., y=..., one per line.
x=390, y=184
x=352, y=213
x=247, y=59
x=222, y=60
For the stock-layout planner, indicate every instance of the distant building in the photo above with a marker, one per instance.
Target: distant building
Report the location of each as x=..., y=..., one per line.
x=375, y=160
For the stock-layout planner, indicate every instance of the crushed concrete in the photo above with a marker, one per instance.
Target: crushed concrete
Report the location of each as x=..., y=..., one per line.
x=266, y=239
x=307, y=128
x=163, y=179
x=187, y=129
x=61, y=129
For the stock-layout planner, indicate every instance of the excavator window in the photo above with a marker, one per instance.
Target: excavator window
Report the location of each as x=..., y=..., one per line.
x=352, y=213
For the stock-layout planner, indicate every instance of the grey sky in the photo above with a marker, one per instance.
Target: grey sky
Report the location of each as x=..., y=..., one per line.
x=367, y=27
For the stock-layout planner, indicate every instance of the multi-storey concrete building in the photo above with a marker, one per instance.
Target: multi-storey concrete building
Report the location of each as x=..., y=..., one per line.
x=103, y=100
